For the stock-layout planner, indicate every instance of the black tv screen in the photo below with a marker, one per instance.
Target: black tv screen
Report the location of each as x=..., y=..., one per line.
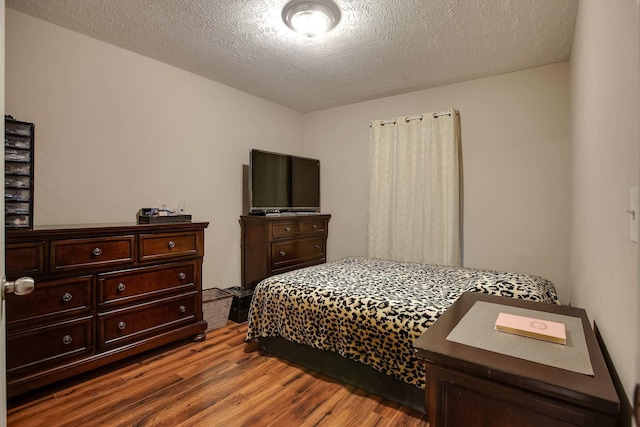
x=283, y=183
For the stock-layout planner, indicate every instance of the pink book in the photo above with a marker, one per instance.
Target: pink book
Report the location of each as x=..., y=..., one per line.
x=533, y=328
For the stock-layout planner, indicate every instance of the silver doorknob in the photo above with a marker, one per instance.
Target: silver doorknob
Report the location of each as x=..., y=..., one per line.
x=21, y=286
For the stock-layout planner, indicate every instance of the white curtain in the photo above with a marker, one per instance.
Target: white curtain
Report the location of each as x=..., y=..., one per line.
x=414, y=190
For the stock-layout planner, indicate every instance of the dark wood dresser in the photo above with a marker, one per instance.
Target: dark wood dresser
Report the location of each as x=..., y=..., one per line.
x=276, y=244
x=102, y=293
x=469, y=386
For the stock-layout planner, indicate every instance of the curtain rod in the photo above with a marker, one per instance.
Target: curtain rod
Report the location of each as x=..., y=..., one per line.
x=409, y=118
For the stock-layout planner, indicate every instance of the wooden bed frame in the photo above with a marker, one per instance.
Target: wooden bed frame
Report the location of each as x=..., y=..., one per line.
x=347, y=371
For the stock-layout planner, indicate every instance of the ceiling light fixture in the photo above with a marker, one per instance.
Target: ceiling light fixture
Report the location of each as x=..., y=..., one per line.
x=311, y=17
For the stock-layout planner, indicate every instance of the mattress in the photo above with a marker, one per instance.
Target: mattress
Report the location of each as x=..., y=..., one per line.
x=371, y=310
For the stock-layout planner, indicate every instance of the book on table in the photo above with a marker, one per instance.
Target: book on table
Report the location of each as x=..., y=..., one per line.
x=533, y=328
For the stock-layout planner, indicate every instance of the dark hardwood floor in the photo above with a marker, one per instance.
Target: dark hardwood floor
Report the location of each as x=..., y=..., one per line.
x=221, y=381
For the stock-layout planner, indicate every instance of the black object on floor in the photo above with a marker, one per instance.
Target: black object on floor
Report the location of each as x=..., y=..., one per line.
x=240, y=303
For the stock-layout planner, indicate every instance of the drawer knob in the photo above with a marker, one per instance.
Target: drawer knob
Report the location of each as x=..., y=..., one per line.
x=314, y=226
x=121, y=287
x=317, y=246
x=182, y=276
x=122, y=325
x=282, y=253
x=97, y=251
x=171, y=244
x=182, y=309
x=66, y=340
x=67, y=297
x=287, y=229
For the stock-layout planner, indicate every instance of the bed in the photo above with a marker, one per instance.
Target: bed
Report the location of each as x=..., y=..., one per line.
x=356, y=319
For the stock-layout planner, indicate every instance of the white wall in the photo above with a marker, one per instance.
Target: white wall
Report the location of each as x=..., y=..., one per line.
x=515, y=145
x=116, y=131
x=605, y=76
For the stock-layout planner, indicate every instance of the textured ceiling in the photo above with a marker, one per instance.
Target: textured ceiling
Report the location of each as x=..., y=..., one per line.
x=379, y=48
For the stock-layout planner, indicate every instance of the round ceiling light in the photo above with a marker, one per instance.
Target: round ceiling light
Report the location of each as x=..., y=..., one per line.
x=311, y=18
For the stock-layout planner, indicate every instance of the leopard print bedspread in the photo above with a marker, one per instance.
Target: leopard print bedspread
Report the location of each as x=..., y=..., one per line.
x=371, y=310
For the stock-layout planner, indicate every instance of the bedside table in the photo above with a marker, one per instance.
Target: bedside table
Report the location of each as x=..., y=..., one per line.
x=471, y=386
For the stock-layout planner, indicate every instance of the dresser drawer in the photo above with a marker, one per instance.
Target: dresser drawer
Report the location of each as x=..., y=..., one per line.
x=125, y=326
x=285, y=229
x=310, y=227
x=24, y=259
x=161, y=246
x=297, y=251
x=49, y=345
x=78, y=254
x=66, y=297
x=147, y=282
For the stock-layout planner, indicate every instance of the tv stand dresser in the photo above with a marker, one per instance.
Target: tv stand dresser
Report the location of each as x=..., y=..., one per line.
x=277, y=244
x=102, y=293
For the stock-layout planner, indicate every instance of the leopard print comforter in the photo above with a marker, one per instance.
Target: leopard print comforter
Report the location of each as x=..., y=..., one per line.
x=371, y=310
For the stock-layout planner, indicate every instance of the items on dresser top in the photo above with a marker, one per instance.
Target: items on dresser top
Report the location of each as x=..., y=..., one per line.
x=102, y=293
x=162, y=215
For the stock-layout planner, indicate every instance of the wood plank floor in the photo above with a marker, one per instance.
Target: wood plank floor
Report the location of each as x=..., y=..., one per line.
x=221, y=381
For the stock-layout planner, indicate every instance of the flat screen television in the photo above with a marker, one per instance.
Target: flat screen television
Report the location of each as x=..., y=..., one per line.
x=283, y=183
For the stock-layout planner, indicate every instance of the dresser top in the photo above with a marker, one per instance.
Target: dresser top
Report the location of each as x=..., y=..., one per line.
x=106, y=228
x=286, y=217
